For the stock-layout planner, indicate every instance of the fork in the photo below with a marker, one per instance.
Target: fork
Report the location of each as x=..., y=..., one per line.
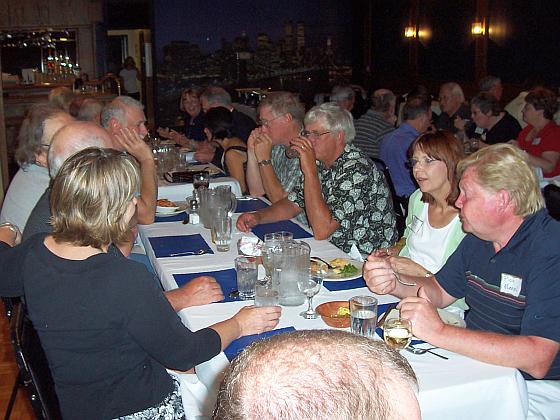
x=199, y=252
x=415, y=350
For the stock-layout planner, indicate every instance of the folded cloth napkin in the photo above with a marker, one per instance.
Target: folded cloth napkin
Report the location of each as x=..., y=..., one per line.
x=334, y=286
x=380, y=311
x=287, y=225
x=245, y=205
x=237, y=346
x=164, y=246
x=227, y=279
x=179, y=217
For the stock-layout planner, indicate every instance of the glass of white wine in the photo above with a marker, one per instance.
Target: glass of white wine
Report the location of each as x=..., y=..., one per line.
x=397, y=333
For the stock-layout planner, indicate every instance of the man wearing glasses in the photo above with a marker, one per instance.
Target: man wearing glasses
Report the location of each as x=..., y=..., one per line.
x=344, y=196
x=269, y=170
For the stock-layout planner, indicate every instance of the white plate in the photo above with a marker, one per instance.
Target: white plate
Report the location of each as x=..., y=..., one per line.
x=179, y=210
x=332, y=276
x=166, y=210
x=171, y=211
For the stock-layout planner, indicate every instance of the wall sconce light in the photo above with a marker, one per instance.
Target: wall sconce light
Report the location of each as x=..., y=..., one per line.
x=410, y=32
x=477, y=28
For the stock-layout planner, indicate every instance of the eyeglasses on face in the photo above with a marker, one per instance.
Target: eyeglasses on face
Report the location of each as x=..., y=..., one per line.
x=427, y=161
x=312, y=134
x=262, y=122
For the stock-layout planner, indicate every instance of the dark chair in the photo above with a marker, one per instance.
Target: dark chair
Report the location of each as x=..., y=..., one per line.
x=34, y=373
x=552, y=199
x=400, y=207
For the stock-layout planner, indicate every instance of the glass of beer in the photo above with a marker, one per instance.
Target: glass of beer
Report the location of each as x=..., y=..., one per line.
x=397, y=333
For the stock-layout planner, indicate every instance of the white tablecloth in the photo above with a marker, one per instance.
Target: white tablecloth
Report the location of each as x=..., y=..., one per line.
x=179, y=191
x=458, y=388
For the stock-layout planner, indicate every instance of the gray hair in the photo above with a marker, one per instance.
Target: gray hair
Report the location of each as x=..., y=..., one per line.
x=72, y=139
x=216, y=95
x=487, y=102
x=487, y=83
x=89, y=110
x=382, y=100
x=284, y=103
x=340, y=93
x=31, y=133
x=315, y=375
x=117, y=110
x=336, y=119
x=454, y=89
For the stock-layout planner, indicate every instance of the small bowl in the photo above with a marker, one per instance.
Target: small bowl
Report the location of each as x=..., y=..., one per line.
x=329, y=313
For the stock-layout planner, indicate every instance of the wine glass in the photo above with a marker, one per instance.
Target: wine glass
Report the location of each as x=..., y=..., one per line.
x=397, y=333
x=310, y=285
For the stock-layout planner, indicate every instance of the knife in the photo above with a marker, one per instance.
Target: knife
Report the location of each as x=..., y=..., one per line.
x=381, y=320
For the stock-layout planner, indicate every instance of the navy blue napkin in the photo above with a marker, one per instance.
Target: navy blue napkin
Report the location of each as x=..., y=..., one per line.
x=247, y=205
x=334, y=286
x=237, y=346
x=287, y=225
x=227, y=280
x=163, y=246
x=380, y=311
x=179, y=217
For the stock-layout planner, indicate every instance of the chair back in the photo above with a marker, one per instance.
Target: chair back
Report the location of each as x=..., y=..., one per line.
x=33, y=365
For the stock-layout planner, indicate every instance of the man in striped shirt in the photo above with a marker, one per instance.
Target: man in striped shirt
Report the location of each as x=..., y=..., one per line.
x=376, y=122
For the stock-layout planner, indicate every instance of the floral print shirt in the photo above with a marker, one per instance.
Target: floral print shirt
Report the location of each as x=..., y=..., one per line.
x=358, y=197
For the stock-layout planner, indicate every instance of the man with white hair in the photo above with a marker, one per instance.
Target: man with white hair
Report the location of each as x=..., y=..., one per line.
x=506, y=268
x=378, y=121
x=453, y=107
x=74, y=138
x=125, y=121
x=317, y=375
x=344, y=96
x=344, y=196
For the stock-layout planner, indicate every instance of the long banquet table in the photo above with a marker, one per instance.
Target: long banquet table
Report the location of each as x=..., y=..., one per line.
x=458, y=388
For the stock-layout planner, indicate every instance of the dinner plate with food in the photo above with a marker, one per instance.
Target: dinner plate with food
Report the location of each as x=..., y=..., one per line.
x=165, y=207
x=343, y=269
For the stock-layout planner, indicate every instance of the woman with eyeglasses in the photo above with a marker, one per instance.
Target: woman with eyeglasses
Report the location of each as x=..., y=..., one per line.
x=220, y=130
x=107, y=330
x=433, y=229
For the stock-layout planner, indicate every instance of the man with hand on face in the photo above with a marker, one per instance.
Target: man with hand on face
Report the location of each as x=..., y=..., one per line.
x=506, y=268
x=344, y=196
x=125, y=121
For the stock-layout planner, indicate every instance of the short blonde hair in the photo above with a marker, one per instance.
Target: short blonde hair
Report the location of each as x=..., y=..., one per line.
x=90, y=196
x=504, y=167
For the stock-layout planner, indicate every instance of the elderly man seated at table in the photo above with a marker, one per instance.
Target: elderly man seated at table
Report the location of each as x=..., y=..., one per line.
x=376, y=122
x=344, y=96
x=124, y=119
x=269, y=171
x=454, y=110
x=81, y=135
x=316, y=375
x=344, y=196
x=32, y=179
x=506, y=268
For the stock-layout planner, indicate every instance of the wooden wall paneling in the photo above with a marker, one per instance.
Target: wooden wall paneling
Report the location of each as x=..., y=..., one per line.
x=4, y=13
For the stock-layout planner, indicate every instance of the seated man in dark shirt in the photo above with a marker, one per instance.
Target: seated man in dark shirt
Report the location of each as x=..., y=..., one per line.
x=506, y=268
x=453, y=108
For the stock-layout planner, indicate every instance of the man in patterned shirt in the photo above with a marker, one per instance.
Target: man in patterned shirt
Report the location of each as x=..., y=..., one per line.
x=269, y=171
x=344, y=196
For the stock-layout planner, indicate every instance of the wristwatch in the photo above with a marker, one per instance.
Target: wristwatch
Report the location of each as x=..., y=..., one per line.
x=264, y=162
x=428, y=274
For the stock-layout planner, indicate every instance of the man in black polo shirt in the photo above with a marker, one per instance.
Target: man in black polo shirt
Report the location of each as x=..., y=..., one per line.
x=507, y=269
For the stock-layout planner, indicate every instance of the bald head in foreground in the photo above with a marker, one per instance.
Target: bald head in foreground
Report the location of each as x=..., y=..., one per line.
x=316, y=375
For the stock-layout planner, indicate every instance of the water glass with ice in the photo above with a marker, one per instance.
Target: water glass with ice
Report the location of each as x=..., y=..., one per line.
x=246, y=268
x=363, y=315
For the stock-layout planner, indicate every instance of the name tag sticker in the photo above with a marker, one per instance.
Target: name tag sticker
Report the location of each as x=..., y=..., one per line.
x=510, y=284
x=536, y=141
x=416, y=224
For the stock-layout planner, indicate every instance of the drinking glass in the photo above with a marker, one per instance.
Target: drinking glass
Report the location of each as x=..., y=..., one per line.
x=222, y=232
x=246, y=268
x=201, y=179
x=397, y=333
x=266, y=294
x=271, y=245
x=363, y=315
x=310, y=286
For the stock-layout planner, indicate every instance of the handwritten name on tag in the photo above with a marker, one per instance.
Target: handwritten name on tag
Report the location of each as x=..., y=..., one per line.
x=536, y=141
x=511, y=284
x=416, y=224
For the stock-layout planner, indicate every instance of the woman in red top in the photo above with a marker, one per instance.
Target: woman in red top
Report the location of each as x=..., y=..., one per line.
x=541, y=138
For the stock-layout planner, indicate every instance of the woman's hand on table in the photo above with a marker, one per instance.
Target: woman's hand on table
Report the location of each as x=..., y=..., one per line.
x=379, y=275
x=253, y=320
x=199, y=291
x=247, y=221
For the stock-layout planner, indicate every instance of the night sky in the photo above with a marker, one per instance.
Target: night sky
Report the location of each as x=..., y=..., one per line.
x=205, y=22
